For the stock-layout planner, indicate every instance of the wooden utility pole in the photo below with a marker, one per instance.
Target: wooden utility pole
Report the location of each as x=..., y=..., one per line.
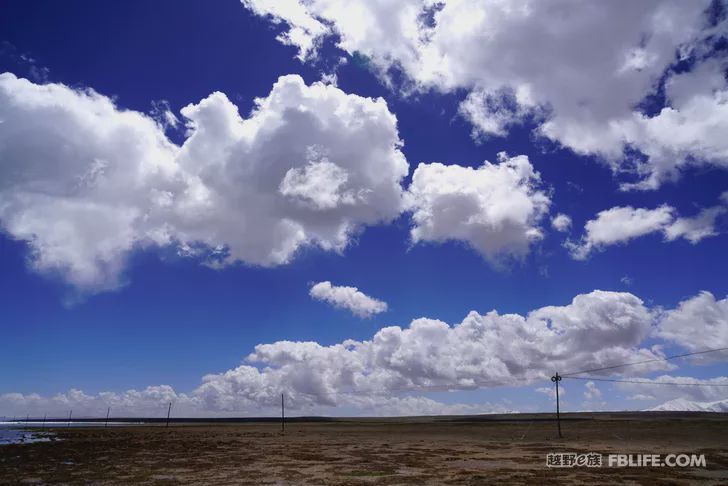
x=106, y=424
x=556, y=379
x=44, y=419
x=70, y=412
x=283, y=415
x=168, y=410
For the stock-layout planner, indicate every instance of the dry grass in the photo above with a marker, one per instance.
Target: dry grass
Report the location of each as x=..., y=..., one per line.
x=369, y=452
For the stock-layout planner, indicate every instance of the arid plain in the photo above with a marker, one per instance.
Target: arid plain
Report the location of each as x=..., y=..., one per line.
x=508, y=449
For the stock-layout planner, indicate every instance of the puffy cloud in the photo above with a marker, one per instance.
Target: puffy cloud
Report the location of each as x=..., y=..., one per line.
x=385, y=374
x=622, y=224
x=492, y=114
x=495, y=208
x=591, y=391
x=698, y=323
x=85, y=182
x=687, y=131
x=619, y=225
x=310, y=166
x=550, y=391
x=688, y=387
x=349, y=298
x=594, y=330
x=580, y=71
x=696, y=228
x=561, y=223
x=79, y=178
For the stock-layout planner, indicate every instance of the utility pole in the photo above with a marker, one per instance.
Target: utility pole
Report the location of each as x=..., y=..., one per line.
x=556, y=379
x=70, y=412
x=106, y=424
x=44, y=419
x=168, y=410
x=283, y=415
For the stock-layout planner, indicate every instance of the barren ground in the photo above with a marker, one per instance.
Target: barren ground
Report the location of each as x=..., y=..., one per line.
x=473, y=450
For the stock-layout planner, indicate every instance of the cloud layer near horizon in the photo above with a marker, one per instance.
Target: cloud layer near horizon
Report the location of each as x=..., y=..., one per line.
x=380, y=375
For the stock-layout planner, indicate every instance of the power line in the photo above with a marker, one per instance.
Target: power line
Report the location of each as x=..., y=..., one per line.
x=666, y=358
x=642, y=382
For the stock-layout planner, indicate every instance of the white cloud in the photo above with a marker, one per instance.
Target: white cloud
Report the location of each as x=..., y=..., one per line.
x=591, y=391
x=384, y=374
x=154, y=400
x=496, y=208
x=310, y=166
x=595, y=329
x=550, y=391
x=561, y=223
x=492, y=114
x=696, y=228
x=698, y=323
x=622, y=224
x=349, y=298
x=692, y=388
x=578, y=69
x=85, y=182
x=150, y=402
x=687, y=132
x=79, y=178
x=619, y=225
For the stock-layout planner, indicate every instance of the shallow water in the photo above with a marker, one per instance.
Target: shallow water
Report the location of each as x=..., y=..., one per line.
x=10, y=434
x=17, y=433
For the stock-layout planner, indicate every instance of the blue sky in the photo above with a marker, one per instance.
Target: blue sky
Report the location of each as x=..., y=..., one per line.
x=170, y=319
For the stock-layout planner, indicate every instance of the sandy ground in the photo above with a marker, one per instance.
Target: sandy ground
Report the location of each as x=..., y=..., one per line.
x=414, y=451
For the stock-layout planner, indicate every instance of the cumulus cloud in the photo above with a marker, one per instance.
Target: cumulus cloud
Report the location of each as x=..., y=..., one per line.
x=495, y=209
x=85, y=182
x=550, y=391
x=622, y=224
x=580, y=71
x=595, y=329
x=591, y=391
x=619, y=225
x=696, y=228
x=350, y=298
x=561, y=223
x=387, y=373
x=698, y=323
x=692, y=388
